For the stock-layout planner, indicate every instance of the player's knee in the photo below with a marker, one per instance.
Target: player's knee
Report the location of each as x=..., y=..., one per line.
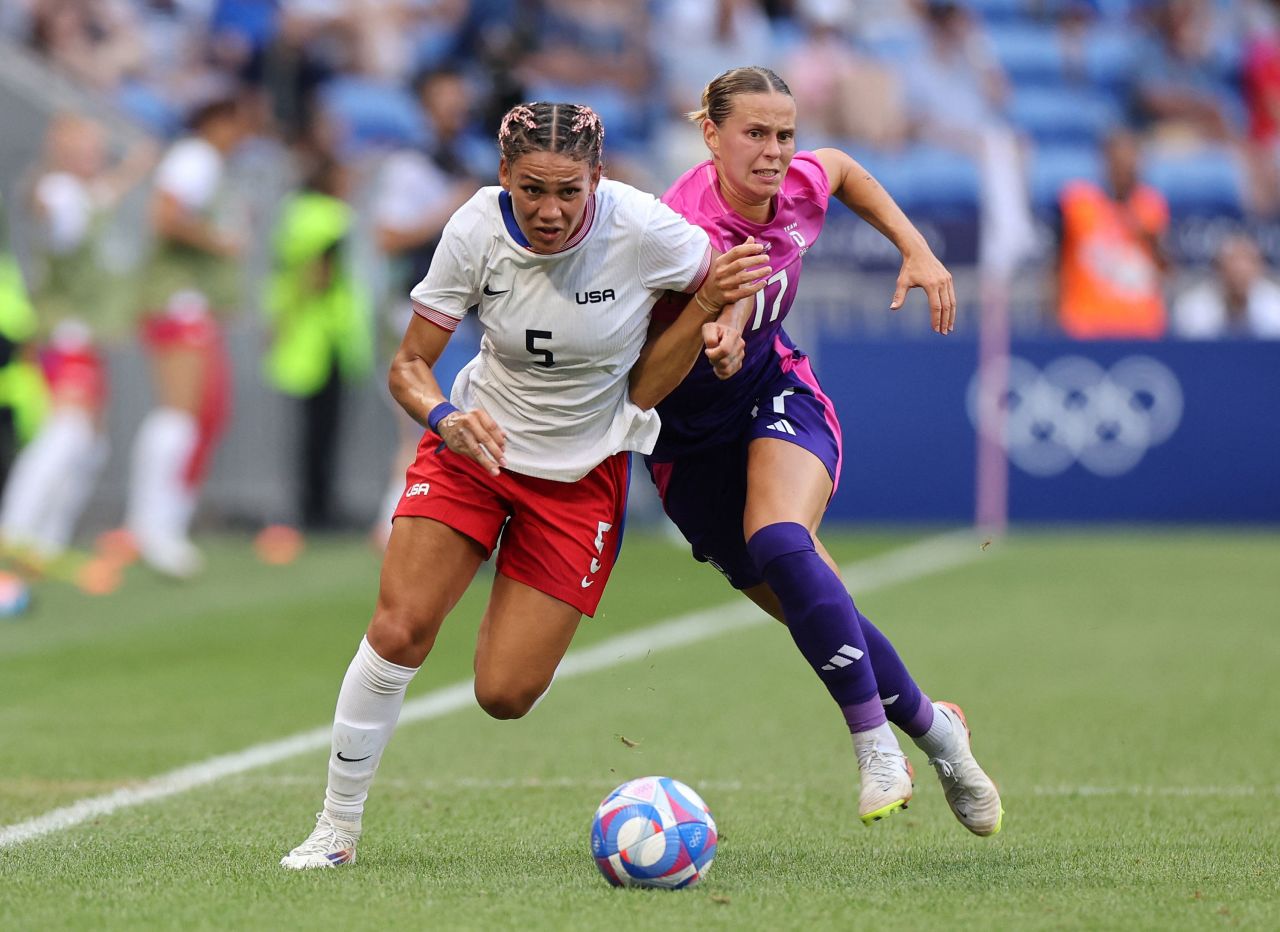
x=775, y=541
x=505, y=700
x=401, y=635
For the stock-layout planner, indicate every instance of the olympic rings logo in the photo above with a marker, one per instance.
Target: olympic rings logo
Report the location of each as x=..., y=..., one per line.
x=1075, y=411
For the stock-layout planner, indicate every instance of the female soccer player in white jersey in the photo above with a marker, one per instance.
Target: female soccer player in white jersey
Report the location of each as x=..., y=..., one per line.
x=745, y=467
x=565, y=268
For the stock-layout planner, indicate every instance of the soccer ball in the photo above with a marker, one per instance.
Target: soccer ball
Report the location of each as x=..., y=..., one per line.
x=653, y=832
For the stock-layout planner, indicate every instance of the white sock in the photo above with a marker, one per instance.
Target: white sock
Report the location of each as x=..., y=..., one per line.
x=77, y=488
x=43, y=472
x=368, y=707
x=881, y=736
x=537, y=702
x=159, y=499
x=938, y=738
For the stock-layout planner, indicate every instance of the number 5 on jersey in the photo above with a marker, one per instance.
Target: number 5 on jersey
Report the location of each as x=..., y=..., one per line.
x=548, y=358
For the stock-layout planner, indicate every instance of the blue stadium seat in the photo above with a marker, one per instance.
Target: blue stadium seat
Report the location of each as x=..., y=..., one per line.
x=371, y=114
x=1110, y=56
x=1206, y=182
x=1063, y=115
x=1053, y=166
x=998, y=11
x=148, y=107
x=925, y=177
x=1030, y=53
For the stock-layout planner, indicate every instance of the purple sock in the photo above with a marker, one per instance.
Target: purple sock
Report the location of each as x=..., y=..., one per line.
x=821, y=618
x=904, y=703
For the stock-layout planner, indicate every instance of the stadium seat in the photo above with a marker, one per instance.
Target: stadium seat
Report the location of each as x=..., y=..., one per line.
x=1205, y=182
x=1063, y=115
x=925, y=177
x=371, y=114
x=150, y=108
x=1110, y=57
x=998, y=11
x=1030, y=53
x=1053, y=166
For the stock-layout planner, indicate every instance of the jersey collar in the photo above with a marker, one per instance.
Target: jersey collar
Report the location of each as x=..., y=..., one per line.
x=517, y=235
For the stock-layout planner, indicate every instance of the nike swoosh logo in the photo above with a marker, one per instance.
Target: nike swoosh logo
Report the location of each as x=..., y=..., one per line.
x=353, y=760
x=586, y=582
x=493, y=293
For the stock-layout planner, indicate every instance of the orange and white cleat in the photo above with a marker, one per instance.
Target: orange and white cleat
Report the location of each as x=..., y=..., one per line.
x=971, y=794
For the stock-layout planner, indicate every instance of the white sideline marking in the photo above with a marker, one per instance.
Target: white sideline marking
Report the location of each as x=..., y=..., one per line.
x=932, y=555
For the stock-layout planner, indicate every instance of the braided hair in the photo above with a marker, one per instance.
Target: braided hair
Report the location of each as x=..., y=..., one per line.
x=574, y=130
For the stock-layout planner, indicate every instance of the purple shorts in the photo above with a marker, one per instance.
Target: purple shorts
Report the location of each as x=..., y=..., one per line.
x=705, y=492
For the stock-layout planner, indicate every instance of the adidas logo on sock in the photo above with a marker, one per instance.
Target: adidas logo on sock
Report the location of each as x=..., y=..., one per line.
x=843, y=657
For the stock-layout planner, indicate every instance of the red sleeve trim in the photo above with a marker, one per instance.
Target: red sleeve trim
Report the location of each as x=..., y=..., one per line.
x=439, y=318
x=701, y=276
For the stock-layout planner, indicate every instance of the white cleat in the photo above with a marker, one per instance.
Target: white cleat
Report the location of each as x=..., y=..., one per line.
x=886, y=779
x=331, y=844
x=970, y=793
x=175, y=557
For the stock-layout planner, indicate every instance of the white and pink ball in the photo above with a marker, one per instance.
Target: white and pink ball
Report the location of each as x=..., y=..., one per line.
x=653, y=832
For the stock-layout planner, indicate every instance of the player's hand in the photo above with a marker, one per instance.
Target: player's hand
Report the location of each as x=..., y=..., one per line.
x=737, y=274
x=923, y=270
x=724, y=348
x=477, y=436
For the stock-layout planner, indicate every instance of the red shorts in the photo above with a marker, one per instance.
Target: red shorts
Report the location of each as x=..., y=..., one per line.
x=191, y=327
x=181, y=329
x=561, y=538
x=77, y=374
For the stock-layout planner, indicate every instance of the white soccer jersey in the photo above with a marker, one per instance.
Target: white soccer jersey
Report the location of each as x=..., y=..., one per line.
x=561, y=331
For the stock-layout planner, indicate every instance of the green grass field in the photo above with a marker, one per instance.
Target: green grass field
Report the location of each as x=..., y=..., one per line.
x=1122, y=689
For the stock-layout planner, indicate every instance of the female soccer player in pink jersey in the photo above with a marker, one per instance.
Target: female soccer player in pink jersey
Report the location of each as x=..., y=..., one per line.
x=565, y=268
x=745, y=467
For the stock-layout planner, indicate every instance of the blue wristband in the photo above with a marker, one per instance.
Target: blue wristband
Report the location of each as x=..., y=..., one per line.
x=438, y=414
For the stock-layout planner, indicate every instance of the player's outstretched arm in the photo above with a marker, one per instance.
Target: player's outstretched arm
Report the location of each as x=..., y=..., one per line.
x=670, y=352
x=858, y=190
x=413, y=384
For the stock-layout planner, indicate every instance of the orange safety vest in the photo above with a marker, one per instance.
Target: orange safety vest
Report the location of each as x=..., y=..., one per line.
x=1110, y=282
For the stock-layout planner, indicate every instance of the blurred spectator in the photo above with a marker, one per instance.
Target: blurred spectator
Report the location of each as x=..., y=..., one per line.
x=1262, y=97
x=1185, y=91
x=842, y=95
x=695, y=40
x=956, y=92
x=192, y=276
x=20, y=385
x=81, y=306
x=1237, y=301
x=586, y=52
x=1111, y=257
x=418, y=191
x=320, y=328
x=89, y=39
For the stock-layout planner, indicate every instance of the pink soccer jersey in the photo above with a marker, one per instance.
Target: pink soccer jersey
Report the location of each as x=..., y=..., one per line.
x=703, y=405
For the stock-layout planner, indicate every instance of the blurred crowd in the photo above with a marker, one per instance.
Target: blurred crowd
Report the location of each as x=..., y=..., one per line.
x=1003, y=107
x=1077, y=135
